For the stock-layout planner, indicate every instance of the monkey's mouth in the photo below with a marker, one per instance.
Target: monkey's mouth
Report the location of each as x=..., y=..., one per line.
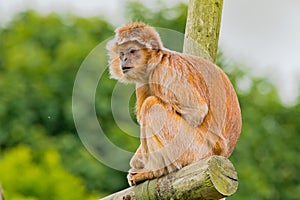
x=126, y=69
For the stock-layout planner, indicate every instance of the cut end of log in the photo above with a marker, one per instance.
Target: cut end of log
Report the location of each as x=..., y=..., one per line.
x=223, y=175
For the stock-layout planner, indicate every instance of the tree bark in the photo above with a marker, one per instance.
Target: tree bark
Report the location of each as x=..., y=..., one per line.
x=203, y=28
x=211, y=178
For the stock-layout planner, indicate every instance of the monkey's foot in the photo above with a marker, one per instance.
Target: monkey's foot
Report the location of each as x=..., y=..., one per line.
x=136, y=176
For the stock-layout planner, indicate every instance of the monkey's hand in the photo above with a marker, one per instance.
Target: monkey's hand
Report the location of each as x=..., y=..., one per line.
x=136, y=176
x=193, y=115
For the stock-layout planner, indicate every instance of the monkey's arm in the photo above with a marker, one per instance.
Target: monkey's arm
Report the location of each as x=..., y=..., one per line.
x=180, y=90
x=142, y=92
x=189, y=103
x=193, y=115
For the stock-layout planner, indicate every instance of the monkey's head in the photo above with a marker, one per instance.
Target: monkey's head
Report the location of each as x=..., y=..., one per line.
x=133, y=52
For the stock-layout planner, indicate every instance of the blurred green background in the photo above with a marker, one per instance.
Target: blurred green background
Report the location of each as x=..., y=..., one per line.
x=41, y=155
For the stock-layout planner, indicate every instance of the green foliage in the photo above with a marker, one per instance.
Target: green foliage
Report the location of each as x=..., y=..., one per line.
x=167, y=17
x=29, y=177
x=41, y=154
x=39, y=58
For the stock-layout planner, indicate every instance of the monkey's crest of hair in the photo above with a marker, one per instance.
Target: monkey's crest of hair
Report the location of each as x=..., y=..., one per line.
x=140, y=32
x=131, y=32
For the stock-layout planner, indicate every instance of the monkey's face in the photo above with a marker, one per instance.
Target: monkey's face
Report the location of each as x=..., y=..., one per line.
x=131, y=62
x=132, y=57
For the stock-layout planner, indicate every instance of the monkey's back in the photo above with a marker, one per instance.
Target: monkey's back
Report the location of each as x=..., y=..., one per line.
x=224, y=115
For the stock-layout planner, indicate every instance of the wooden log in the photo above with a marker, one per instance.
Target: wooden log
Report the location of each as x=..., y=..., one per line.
x=211, y=178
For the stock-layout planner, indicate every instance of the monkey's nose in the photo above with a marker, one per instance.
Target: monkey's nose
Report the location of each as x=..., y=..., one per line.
x=124, y=61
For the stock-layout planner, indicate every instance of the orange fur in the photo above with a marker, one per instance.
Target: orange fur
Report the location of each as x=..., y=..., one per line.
x=186, y=105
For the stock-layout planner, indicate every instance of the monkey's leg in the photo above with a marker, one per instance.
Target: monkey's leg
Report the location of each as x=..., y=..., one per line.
x=167, y=142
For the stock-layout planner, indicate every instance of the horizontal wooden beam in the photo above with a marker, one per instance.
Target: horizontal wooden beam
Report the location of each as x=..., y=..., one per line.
x=211, y=178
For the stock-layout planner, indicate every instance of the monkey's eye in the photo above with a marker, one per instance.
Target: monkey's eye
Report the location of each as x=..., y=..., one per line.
x=121, y=54
x=132, y=51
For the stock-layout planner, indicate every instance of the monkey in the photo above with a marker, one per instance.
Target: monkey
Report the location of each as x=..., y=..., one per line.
x=186, y=106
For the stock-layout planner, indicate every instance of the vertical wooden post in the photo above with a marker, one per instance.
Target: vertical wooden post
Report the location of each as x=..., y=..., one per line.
x=203, y=28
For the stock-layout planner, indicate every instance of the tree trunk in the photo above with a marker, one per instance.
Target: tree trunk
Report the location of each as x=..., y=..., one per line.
x=203, y=28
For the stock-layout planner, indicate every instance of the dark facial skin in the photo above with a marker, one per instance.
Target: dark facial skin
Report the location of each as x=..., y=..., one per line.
x=131, y=55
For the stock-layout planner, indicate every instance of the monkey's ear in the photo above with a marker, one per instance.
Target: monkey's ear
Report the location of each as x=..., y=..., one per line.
x=152, y=39
x=155, y=45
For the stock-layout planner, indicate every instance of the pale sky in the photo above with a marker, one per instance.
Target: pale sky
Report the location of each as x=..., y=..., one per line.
x=262, y=35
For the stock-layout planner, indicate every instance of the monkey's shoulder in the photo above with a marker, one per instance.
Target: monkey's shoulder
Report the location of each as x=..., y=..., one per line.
x=174, y=63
